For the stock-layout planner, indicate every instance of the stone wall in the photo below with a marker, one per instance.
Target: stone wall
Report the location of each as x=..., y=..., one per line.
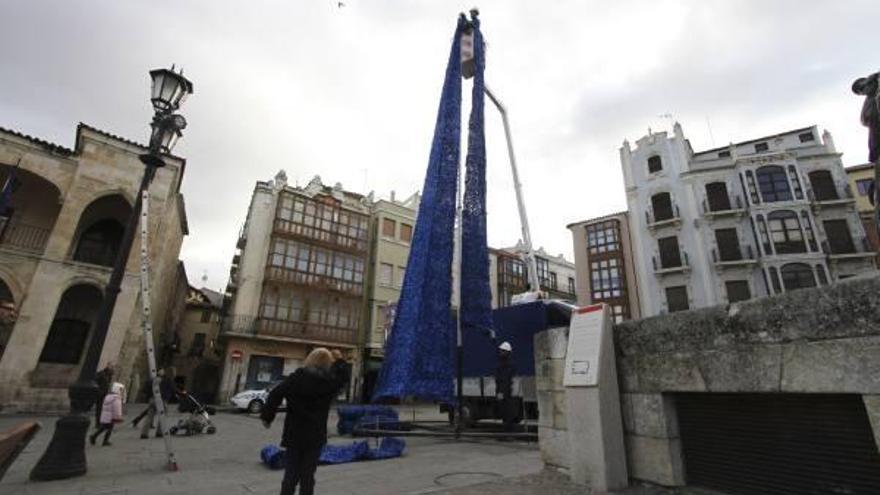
x=808, y=341
x=824, y=340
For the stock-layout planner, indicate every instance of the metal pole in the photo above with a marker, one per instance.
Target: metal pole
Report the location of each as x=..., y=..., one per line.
x=65, y=457
x=531, y=264
x=459, y=351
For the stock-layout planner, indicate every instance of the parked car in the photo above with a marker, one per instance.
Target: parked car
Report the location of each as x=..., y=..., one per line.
x=253, y=400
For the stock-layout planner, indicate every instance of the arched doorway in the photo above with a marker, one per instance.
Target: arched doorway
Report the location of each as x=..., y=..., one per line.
x=8, y=316
x=68, y=336
x=100, y=230
x=29, y=210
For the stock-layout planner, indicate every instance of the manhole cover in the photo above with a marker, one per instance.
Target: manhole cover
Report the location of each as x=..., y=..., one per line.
x=469, y=478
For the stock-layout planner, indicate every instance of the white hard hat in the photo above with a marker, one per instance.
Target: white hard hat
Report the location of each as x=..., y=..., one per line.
x=505, y=346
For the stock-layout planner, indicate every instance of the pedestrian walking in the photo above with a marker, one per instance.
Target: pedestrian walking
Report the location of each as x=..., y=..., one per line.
x=111, y=413
x=166, y=391
x=104, y=379
x=504, y=385
x=308, y=392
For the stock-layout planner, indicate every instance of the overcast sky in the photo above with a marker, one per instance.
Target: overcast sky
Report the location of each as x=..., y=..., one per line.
x=350, y=93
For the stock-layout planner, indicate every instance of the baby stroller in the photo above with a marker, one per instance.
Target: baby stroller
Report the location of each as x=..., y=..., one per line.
x=199, y=419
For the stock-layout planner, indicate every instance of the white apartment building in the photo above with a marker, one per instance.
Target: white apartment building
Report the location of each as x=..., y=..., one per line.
x=751, y=219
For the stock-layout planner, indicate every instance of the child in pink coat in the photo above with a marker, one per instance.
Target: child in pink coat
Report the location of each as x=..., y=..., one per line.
x=111, y=413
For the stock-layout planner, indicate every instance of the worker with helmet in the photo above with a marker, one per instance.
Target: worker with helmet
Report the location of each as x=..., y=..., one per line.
x=504, y=385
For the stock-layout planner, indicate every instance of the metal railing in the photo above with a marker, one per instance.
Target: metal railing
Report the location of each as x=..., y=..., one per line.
x=683, y=262
x=651, y=219
x=734, y=203
x=314, y=280
x=26, y=237
x=257, y=326
x=744, y=252
x=852, y=248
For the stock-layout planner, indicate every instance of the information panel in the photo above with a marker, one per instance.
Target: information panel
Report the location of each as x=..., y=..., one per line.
x=584, y=342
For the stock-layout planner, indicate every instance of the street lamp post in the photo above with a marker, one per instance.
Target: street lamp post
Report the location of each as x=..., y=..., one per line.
x=65, y=456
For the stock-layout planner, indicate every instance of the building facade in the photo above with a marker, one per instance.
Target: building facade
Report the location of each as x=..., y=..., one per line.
x=604, y=265
x=61, y=229
x=392, y=225
x=860, y=179
x=756, y=218
x=297, y=282
x=193, y=349
x=555, y=273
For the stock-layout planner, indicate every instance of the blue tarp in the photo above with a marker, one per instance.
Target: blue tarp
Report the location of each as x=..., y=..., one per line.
x=273, y=456
x=515, y=324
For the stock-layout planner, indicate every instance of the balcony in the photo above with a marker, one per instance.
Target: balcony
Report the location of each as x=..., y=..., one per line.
x=670, y=218
x=831, y=196
x=299, y=331
x=848, y=250
x=313, y=280
x=734, y=256
x=726, y=207
x=338, y=238
x=668, y=265
x=242, y=237
x=25, y=237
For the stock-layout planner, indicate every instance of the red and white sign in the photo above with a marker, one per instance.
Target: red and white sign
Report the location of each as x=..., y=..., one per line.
x=236, y=354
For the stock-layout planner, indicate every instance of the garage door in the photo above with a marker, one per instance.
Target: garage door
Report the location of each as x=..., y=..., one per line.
x=778, y=443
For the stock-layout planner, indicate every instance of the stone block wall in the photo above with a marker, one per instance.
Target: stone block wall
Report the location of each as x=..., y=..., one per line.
x=824, y=340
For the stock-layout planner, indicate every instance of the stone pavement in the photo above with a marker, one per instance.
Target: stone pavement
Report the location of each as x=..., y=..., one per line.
x=228, y=463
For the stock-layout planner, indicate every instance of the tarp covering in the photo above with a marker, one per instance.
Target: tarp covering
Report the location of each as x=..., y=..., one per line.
x=274, y=457
x=374, y=416
x=515, y=324
x=419, y=351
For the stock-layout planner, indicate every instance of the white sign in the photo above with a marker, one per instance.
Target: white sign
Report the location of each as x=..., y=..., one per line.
x=584, y=342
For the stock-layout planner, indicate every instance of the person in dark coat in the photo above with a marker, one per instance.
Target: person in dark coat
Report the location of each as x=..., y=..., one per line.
x=308, y=392
x=104, y=379
x=504, y=385
x=166, y=391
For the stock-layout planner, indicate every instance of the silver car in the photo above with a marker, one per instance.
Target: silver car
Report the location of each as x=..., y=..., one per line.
x=253, y=400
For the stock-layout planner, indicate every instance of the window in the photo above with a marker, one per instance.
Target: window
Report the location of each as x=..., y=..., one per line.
x=571, y=285
x=206, y=316
x=198, y=345
x=607, y=279
x=307, y=261
x=718, y=199
x=670, y=256
x=406, y=232
x=554, y=283
x=389, y=227
x=761, y=147
x=823, y=185
x=603, y=237
x=795, y=182
x=677, y=298
x=321, y=218
x=724, y=154
x=864, y=187
x=70, y=327
x=839, y=237
x=543, y=271
x=808, y=227
x=655, y=164
x=99, y=243
x=820, y=271
x=785, y=231
x=737, y=290
x=728, y=245
x=773, y=184
x=401, y=273
x=386, y=274
x=765, y=239
x=753, y=189
x=806, y=137
x=662, y=205
x=797, y=276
